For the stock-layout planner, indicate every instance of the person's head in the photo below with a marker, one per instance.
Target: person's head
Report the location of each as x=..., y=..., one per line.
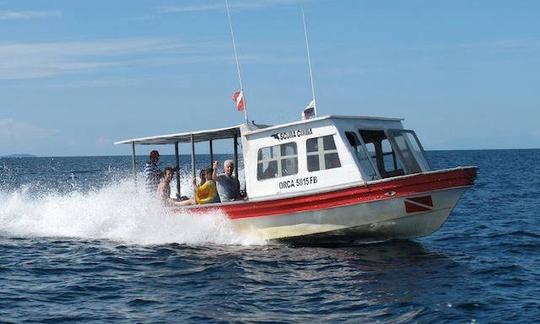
x=168, y=173
x=228, y=167
x=208, y=173
x=202, y=175
x=154, y=156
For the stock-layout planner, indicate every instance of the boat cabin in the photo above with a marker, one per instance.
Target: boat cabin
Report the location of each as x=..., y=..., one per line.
x=324, y=153
x=327, y=153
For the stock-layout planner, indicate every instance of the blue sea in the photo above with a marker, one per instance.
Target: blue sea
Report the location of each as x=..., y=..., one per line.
x=79, y=244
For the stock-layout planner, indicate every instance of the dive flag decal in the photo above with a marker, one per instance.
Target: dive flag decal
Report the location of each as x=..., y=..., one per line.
x=418, y=204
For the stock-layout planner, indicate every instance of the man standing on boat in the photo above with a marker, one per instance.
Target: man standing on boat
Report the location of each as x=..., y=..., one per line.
x=227, y=185
x=152, y=172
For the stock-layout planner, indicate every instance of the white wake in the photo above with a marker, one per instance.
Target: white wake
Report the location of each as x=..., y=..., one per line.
x=116, y=212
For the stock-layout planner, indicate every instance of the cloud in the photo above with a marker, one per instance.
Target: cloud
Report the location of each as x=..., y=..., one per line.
x=16, y=136
x=24, y=61
x=20, y=15
x=39, y=60
x=234, y=5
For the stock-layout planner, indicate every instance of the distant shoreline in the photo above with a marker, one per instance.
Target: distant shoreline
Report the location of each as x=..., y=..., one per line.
x=18, y=156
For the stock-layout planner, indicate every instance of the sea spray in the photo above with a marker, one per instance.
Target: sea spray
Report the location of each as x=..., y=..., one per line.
x=115, y=212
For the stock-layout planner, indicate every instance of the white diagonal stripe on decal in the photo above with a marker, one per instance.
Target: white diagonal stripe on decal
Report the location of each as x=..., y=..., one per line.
x=418, y=204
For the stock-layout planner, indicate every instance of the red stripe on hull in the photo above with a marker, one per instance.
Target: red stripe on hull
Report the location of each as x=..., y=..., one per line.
x=402, y=187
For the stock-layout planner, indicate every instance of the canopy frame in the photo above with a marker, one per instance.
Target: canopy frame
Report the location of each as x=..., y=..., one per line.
x=191, y=138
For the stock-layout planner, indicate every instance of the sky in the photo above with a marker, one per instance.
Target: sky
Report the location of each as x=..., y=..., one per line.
x=77, y=75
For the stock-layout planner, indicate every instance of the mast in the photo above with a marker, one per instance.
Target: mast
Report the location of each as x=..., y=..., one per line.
x=309, y=63
x=237, y=62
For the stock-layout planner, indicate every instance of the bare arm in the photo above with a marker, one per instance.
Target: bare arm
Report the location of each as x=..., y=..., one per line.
x=215, y=172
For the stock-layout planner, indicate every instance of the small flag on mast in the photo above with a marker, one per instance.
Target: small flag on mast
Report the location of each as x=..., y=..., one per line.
x=309, y=112
x=238, y=98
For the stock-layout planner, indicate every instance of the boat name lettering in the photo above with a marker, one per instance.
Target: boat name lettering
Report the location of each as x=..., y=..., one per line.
x=286, y=184
x=292, y=134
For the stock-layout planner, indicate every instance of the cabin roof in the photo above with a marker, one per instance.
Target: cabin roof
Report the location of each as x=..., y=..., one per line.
x=229, y=132
x=312, y=120
x=198, y=136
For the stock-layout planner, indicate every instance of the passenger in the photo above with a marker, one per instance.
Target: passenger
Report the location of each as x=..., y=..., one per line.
x=152, y=172
x=206, y=193
x=228, y=186
x=164, y=189
x=164, y=186
x=202, y=176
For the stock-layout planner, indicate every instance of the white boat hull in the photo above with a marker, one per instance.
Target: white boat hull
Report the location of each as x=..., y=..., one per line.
x=403, y=207
x=382, y=219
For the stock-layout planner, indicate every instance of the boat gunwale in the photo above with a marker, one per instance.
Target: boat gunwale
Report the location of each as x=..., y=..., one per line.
x=325, y=190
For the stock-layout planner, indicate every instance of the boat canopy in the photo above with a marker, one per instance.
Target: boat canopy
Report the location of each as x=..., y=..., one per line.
x=187, y=137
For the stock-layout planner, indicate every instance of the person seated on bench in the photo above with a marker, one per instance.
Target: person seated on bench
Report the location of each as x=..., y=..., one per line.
x=227, y=185
x=164, y=186
x=206, y=193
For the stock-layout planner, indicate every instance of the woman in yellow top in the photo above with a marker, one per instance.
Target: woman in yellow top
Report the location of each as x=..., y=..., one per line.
x=206, y=192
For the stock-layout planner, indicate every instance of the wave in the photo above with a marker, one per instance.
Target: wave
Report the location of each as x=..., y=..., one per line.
x=115, y=212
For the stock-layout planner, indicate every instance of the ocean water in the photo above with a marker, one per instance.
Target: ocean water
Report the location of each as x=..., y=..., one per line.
x=77, y=244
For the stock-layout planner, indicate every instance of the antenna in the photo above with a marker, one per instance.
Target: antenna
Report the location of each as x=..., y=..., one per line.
x=309, y=62
x=237, y=62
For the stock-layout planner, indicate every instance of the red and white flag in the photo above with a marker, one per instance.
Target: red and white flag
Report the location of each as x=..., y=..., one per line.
x=238, y=98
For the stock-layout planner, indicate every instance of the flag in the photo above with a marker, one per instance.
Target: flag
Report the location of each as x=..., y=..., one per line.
x=238, y=98
x=309, y=111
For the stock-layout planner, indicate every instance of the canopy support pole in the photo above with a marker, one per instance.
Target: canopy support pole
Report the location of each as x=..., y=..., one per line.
x=176, y=152
x=211, y=152
x=235, y=156
x=133, y=164
x=193, y=155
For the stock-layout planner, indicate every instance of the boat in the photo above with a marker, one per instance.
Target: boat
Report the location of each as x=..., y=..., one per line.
x=329, y=179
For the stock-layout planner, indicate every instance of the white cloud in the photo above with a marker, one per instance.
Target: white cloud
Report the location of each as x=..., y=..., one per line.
x=22, y=61
x=38, y=60
x=18, y=15
x=16, y=136
x=235, y=5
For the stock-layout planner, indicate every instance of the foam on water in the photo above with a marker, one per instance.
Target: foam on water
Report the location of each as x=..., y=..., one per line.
x=115, y=212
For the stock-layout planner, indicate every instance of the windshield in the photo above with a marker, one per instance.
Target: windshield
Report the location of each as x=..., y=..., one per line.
x=394, y=152
x=409, y=150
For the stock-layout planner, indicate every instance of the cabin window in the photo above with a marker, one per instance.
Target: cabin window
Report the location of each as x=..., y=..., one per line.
x=382, y=153
x=409, y=149
x=277, y=161
x=322, y=153
x=366, y=167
